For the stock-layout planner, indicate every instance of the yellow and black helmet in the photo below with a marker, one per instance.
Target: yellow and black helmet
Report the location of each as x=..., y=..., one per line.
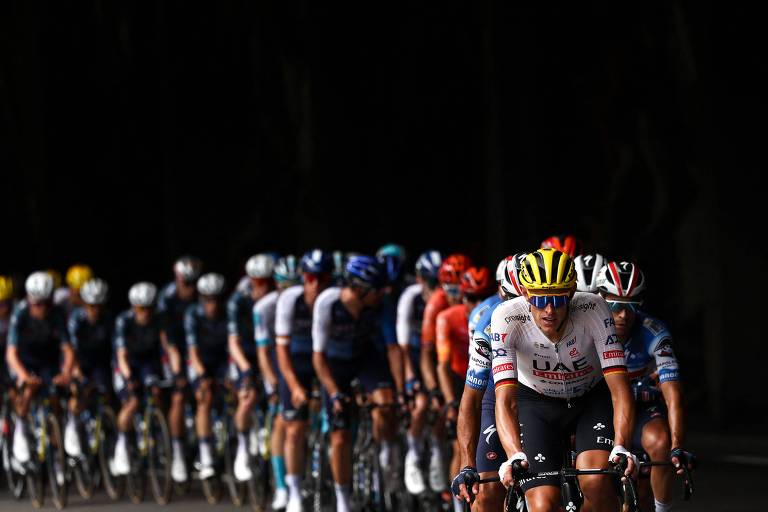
x=6, y=288
x=77, y=275
x=547, y=271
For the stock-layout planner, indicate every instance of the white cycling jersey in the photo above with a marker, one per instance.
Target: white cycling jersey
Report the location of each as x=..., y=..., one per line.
x=264, y=319
x=588, y=349
x=284, y=312
x=407, y=320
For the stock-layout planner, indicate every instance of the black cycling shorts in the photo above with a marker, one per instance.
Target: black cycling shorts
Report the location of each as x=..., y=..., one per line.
x=547, y=423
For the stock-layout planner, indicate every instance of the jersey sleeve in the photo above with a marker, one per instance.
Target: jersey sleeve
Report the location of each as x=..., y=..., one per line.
x=387, y=323
x=284, y=314
x=321, y=320
x=662, y=350
x=503, y=348
x=260, y=330
x=443, y=338
x=479, y=369
x=405, y=314
x=190, y=327
x=120, y=332
x=72, y=324
x=232, y=307
x=13, y=328
x=609, y=350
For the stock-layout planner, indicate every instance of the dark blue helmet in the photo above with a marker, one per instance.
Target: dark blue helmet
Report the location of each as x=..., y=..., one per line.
x=393, y=267
x=428, y=265
x=365, y=270
x=317, y=261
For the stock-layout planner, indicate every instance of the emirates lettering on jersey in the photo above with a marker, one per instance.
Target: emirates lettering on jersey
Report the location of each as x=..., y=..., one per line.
x=506, y=367
x=611, y=354
x=561, y=372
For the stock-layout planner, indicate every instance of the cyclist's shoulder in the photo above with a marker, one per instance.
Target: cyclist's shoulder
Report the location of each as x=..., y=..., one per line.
x=167, y=293
x=438, y=300
x=511, y=311
x=327, y=298
x=77, y=315
x=650, y=326
x=586, y=304
x=289, y=296
x=267, y=301
x=124, y=317
x=20, y=310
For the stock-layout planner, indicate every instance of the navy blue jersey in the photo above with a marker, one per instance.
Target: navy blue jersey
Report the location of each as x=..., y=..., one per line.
x=171, y=309
x=38, y=341
x=92, y=342
x=208, y=335
x=141, y=341
x=240, y=319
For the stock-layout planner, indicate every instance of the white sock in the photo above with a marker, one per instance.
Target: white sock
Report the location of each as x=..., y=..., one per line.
x=293, y=482
x=178, y=453
x=342, y=497
x=242, y=441
x=205, y=453
x=413, y=443
x=122, y=438
x=662, y=507
x=21, y=426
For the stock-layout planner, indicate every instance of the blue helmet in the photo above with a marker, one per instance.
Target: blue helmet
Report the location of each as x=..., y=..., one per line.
x=366, y=271
x=287, y=270
x=428, y=265
x=393, y=266
x=391, y=250
x=317, y=261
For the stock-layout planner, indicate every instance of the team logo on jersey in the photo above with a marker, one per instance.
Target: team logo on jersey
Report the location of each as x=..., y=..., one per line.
x=499, y=352
x=482, y=348
x=506, y=367
x=574, y=352
x=490, y=431
x=611, y=339
x=560, y=371
x=586, y=306
x=653, y=325
x=491, y=455
x=664, y=348
x=518, y=318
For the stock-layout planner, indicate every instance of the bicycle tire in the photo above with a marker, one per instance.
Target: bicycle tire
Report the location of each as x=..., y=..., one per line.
x=84, y=467
x=106, y=437
x=159, y=458
x=258, y=485
x=211, y=489
x=54, y=457
x=135, y=480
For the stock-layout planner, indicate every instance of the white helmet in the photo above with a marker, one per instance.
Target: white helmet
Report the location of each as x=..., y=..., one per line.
x=510, y=279
x=188, y=268
x=260, y=266
x=500, y=268
x=142, y=294
x=210, y=284
x=94, y=291
x=39, y=286
x=587, y=268
x=623, y=279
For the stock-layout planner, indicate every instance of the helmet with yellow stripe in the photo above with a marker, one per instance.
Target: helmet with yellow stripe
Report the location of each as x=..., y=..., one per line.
x=548, y=271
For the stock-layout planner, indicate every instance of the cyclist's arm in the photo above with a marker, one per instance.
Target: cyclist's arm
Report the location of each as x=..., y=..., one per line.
x=14, y=363
x=190, y=332
x=394, y=353
x=468, y=426
x=673, y=395
x=122, y=363
x=265, y=365
x=68, y=362
x=623, y=408
x=174, y=356
x=396, y=365
x=505, y=382
x=261, y=336
x=194, y=358
x=428, y=347
x=284, y=362
x=321, y=323
x=507, y=424
x=236, y=353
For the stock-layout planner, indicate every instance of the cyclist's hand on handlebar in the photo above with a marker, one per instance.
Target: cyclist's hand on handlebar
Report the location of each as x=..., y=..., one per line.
x=680, y=457
x=620, y=455
x=61, y=379
x=517, y=463
x=339, y=402
x=466, y=484
x=29, y=380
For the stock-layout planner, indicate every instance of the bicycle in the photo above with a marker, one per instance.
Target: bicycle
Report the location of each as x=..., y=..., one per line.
x=687, y=476
x=149, y=450
x=570, y=492
x=48, y=461
x=318, y=480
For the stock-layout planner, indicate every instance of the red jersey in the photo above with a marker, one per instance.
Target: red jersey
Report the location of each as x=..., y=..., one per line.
x=453, y=338
x=437, y=302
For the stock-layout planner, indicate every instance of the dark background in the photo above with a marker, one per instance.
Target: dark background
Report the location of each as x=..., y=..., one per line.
x=133, y=132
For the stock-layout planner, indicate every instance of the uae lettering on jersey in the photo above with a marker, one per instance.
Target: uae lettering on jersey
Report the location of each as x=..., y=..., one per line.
x=561, y=371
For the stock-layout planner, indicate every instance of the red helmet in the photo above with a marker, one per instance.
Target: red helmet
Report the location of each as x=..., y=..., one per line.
x=568, y=244
x=452, y=268
x=476, y=282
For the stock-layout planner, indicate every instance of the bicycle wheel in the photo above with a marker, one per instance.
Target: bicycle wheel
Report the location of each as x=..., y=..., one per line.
x=236, y=489
x=135, y=480
x=56, y=462
x=84, y=468
x=321, y=474
x=159, y=458
x=212, y=489
x=16, y=481
x=105, y=439
x=258, y=485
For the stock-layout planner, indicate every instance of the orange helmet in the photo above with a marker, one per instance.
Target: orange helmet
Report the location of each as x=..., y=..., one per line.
x=568, y=244
x=452, y=268
x=476, y=282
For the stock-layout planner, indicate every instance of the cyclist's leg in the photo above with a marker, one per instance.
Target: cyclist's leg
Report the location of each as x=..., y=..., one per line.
x=277, y=443
x=655, y=440
x=489, y=456
x=541, y=434
x=594, y=441
x=376, y=380
x=127, y=394
x=246, y=400
x=176, y=419
x=203, y=389
x=21, y=448
x=343, y=373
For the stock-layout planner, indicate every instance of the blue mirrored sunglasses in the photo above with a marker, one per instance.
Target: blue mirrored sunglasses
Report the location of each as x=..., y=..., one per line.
x=615, y=306
x=541, y=301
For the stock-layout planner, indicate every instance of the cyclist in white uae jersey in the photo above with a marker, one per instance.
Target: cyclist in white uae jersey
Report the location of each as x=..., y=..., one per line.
x=562, y=348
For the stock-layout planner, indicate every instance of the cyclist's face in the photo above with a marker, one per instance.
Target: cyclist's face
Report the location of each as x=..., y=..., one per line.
x=92, y=312
x=623, y=318
x=260, y=287
x=549, y=318
x=210, y=307
x=186, y=290
x=39, y=309
x=143, y=314
x=313, y=285
x=371, y=297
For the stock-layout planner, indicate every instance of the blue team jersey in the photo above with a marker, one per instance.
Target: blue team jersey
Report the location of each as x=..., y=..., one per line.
x=140, y=341
x=240, y=318
x=477, y=312
x=479, y=369
x=38, y=341
x=171, y=310
x=649, y=348
x=92, y=342
x=209, y=335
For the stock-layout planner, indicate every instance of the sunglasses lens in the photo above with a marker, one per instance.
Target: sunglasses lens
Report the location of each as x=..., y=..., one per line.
x=541, y=301
x=616, y=307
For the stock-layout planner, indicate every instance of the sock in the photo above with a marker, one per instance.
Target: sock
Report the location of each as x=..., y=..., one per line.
x=662, y=507
x=122, y=438
x=278, y=471
x=242, y=441
x=413, y=443
x=294, y=486
x=342, y=497
x=206, y=459
x=178, y=453
x=21, y=426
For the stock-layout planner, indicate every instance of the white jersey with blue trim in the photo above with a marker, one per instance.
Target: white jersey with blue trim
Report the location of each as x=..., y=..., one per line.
x=264, y=319
x=477, y=312
x=408, y=323
x=649, y=349
x=479, y=369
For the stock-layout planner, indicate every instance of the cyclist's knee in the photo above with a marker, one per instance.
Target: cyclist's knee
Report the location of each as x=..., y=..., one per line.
x=543, y=499
x=655, y=440
x=340, y=438
x=490, y=498
x=596, y=488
